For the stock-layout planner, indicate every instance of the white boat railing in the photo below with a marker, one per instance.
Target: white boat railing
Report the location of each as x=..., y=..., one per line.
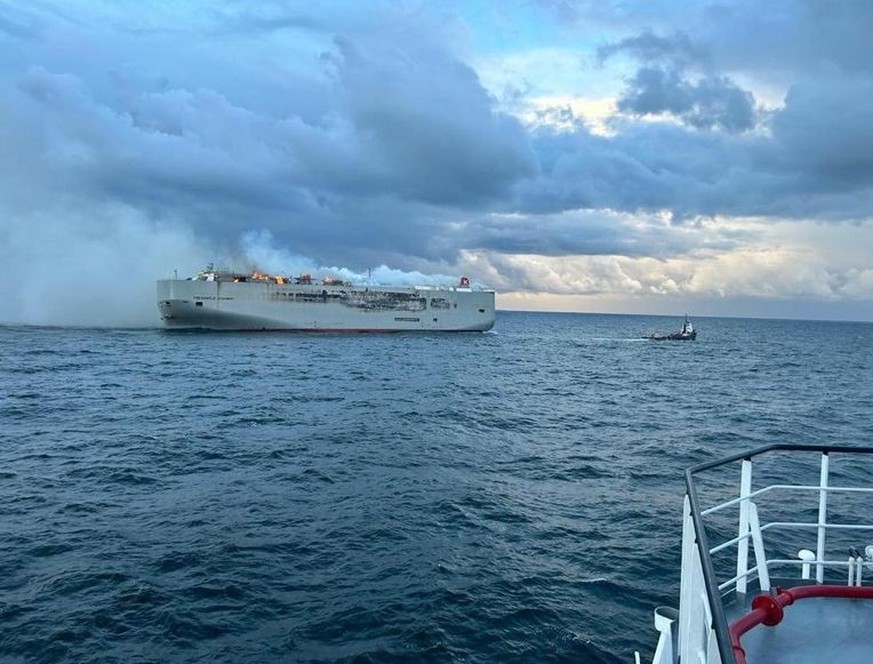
x=699, y=632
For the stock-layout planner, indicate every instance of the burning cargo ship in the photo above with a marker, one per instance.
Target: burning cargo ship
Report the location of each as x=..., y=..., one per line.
x=225, y=300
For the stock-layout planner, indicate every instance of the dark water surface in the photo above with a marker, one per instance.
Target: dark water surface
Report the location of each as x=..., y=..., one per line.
x=506, y=497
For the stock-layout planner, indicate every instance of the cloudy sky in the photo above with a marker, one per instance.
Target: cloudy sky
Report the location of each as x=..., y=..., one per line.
x=576, y=155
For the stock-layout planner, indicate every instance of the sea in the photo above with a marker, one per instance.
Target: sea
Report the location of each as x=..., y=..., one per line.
x=512, y=496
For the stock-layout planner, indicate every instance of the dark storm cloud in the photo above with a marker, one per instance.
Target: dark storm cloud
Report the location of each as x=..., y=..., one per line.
x=598, y=233
x=406, y=134
x=676, y=78
x=403, y=129
x=432, y=127
x=824, y=132
x=403, y=133
x=644, y=167
x=809, y=158
x=174, y=147
x=715, y=101
x=813, y=163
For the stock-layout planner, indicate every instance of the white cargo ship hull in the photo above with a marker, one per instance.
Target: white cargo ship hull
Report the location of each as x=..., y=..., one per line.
x=227, y=305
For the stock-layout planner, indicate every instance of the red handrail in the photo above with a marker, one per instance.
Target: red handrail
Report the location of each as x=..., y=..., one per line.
x=769, y=609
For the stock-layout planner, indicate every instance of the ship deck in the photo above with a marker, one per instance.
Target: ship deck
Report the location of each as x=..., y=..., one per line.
x=775, y=572
x=813, y=630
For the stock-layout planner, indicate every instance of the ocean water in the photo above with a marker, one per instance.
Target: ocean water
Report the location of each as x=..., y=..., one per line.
x=513, y=496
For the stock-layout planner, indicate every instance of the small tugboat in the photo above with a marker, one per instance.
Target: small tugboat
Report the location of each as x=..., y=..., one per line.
x=685, y=333
x=745, y=596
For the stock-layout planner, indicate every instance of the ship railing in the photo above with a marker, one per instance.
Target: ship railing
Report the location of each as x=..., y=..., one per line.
x=716, y=576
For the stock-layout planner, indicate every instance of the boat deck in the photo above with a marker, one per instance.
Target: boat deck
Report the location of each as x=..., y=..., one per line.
x=814, y=630
x=798, y=540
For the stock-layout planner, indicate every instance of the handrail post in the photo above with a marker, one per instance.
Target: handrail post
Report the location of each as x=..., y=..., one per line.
x=743, y=531
x=822, y=518
x=758, y=543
